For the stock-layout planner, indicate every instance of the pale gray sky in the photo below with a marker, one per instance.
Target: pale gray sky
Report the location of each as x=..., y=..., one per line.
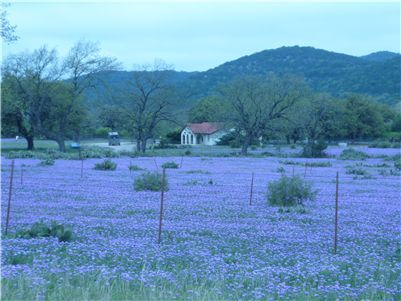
x=201, y=35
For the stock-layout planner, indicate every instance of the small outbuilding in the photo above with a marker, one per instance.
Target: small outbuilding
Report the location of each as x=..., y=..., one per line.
x=205, y=133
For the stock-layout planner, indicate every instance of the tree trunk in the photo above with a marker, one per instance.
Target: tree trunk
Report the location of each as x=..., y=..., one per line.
x=29, y=140
x=245, y=145
x=61, y=145
x=138, y=145
x=143, y=145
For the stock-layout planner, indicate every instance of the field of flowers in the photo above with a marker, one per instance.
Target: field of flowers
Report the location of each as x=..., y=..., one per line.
x=215, y=246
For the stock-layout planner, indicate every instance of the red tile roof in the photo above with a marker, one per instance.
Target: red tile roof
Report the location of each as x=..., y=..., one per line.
x=205, y=127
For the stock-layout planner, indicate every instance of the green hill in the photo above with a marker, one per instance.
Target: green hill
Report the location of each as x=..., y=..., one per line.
x=377, y=74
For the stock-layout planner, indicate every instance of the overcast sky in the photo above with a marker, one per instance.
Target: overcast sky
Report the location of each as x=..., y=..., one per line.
x=201, y=35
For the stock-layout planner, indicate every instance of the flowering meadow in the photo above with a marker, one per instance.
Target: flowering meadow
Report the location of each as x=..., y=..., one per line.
x=214, y=244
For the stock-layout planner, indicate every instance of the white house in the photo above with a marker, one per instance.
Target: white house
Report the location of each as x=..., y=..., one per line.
x=205, y=133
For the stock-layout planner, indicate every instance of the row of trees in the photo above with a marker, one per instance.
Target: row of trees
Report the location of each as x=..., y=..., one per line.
x=43, y=96
x=285, y=108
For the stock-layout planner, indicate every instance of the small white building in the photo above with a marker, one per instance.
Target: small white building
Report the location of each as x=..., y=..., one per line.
x=205, y=133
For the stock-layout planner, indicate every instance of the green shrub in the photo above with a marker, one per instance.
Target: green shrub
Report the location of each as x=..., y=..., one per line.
x=199, y=171
x=106, y=165
x=314, y=149
x=131, y=154
x=170, y=165
x=289, y=191
x=391, y=172
x=188, y=152
x=384, y=144
x=152, y=181
x=98, y=152
x=280, y=169
x=356, y=170
x=90, y=152
x=20, y=259
x=21, y=154
x=309, y=164
x=352, y=154
x=102, y=132
x=41, y=229
x=134, y=167
x=47, y=162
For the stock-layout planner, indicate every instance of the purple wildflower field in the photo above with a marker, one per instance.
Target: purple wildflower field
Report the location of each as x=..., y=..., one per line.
x=215, y=246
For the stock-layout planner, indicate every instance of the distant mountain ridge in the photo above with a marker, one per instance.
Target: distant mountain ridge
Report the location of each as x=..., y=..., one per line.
x=377, y=74
x=381, y=56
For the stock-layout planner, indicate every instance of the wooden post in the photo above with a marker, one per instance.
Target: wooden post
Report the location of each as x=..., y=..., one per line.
x=9, y=195
x=161, y=205
x=130, y=164
x=250, y=196
x=336, y=218
x=306, y=165
x=182, y=159
x=293, y=171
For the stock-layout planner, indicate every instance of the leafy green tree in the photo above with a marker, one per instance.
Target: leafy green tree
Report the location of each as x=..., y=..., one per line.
x=25, y=77
x=256, y=102
x=63, y=114
x=209, y=109
x=362, y=118
x=113, y=117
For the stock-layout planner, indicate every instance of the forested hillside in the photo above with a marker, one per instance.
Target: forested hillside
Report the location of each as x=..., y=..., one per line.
x=377, y=74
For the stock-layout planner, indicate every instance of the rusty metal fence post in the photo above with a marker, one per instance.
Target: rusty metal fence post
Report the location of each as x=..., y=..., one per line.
x=336, y=218
x=251, y=194
x=161, y=205
x=9, y=196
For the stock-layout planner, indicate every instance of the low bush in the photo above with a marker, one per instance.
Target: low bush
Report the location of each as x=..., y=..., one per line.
x=390, y=172
x=314, y=149
x=20, y=154
x=152, y=181
x=86, y=153
x=289, y=191
x=41, y=229
x=98, y=152
x=170, y=165
x=352, y=154
x=17, y=259
x=309, y=164
x=356, y=170
x=47, y=162
x=106, y=165
x=384, y=144
x=134, y=167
